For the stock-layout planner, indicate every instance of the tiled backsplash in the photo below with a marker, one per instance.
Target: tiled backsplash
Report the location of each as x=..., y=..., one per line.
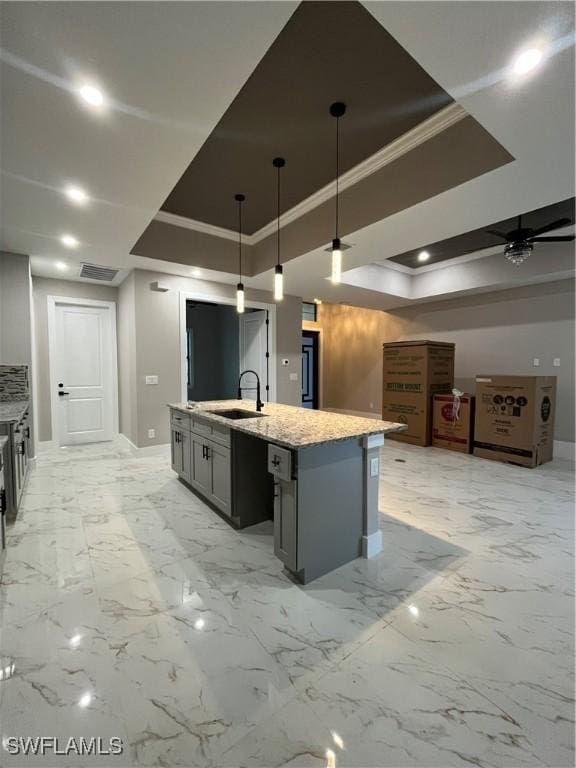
x=14, y=383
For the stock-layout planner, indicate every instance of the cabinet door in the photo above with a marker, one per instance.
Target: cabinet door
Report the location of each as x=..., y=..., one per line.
x=286, y=523
x=176, y=450
x=221, y=470
x=200, y=465
x=186, y=456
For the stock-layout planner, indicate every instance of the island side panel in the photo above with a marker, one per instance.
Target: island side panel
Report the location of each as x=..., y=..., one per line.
x=330, y=507
x=371, y=534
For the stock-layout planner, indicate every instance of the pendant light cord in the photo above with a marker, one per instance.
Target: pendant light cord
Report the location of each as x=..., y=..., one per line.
x=337, y=168
x=240, y=239
x=278, y=219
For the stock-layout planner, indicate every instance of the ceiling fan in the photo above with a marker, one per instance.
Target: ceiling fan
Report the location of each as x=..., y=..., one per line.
x=519, y=241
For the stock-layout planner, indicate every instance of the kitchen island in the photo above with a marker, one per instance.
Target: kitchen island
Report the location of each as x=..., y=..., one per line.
x=314, y=473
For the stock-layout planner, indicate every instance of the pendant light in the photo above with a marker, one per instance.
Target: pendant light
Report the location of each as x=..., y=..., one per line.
x=337, y=110
x=278, y=163
x=240, y=287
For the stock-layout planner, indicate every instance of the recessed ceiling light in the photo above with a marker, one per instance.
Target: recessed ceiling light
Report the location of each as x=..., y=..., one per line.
x=61, y=266
x=76, y=194
x=196, y=272
x=92, y=95
x=527, y=61
x=69, y=241
x=423, y=256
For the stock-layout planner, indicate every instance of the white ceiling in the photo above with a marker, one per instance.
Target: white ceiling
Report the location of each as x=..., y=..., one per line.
x=173, y=68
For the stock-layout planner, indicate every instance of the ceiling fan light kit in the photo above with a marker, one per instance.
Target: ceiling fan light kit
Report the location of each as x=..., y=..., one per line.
x=517, y=253
x=519, y=242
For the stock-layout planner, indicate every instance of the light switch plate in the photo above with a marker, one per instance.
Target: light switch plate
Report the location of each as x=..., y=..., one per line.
x=293, y=377
x=374, y=467
x=536, y=362
x=151, y=380
x=556, y=362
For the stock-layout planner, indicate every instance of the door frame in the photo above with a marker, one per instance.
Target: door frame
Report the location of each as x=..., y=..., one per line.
x=316, y=334
x=53, y=301
x=215, y=299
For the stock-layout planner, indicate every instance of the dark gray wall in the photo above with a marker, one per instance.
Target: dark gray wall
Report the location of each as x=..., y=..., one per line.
x=216, y=351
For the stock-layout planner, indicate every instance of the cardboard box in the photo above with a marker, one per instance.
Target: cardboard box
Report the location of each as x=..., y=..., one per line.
x=515, y=419
x=413, y=372
x=453, y=422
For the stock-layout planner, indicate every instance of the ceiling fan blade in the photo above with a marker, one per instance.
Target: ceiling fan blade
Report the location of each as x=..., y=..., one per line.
x=549, y=227
x=553, y=239
x=498, y=234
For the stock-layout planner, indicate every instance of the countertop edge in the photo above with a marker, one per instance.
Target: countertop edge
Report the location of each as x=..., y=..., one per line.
x=19, y=405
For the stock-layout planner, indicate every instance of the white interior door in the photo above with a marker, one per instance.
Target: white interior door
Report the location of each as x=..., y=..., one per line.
x=253, y=349
x=83, y=367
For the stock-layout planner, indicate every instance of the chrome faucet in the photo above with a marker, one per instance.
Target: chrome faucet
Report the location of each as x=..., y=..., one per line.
x=259, y=403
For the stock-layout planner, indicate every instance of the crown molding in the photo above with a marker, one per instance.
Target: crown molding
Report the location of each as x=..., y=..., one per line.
x=434, y=125
x=200, y=226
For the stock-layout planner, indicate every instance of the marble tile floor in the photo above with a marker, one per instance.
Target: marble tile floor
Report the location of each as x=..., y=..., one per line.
x=128, y=608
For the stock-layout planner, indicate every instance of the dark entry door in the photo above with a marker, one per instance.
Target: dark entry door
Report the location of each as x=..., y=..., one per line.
x=310, y=367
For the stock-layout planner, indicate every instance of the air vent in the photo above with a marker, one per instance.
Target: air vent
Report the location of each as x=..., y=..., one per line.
x=96, y=272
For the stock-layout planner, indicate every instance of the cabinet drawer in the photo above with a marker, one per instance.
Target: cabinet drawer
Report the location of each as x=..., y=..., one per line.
x=279, y=462
x=221, y=434
x=180, y=419
x=201, y=427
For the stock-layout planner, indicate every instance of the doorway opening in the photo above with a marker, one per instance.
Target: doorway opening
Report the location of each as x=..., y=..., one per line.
x=310, y=369
x=219, y=344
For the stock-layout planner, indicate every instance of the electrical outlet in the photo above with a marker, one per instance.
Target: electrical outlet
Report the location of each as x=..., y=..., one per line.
x=151, y=380
x=536, y=362
x=374, y=467
x=371, y=406
x=556, y=362
x=293, y=377
x=151, y=433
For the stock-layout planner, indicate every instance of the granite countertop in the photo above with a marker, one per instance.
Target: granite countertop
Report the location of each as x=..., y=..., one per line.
x=290, y=426
x=12, y=410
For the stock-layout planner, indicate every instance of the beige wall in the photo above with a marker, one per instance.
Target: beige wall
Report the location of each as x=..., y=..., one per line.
x=499, y=332
x=351, y=356
x=157, y=349
x=41, y=289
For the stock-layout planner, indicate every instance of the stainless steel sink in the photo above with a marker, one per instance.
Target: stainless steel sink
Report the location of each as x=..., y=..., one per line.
x=237, y=413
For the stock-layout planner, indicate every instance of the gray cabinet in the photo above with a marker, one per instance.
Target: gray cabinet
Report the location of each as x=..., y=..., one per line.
x=225, y=467
x=200, y=465
x=180, y=452
x=286, y=523
x=220, y=476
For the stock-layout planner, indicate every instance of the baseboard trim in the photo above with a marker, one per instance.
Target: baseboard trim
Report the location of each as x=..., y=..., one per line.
x=372, y=544
x=564, y=450
x=149, y=450
x=46, y=445
x=345, y=412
